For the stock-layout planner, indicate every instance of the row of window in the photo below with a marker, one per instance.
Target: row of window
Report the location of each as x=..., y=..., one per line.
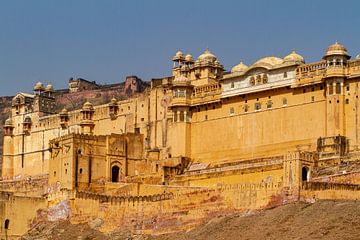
x=259, y=79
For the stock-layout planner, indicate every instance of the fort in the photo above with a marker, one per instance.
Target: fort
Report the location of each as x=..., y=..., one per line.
x=168, y=154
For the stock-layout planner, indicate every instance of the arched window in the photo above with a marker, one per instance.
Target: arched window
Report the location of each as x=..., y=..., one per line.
x=7, y=223
x=115, y=174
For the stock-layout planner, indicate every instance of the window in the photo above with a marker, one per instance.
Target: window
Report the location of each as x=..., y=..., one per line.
x=304, y=90
x=137, y=130
x=347, y=101
x=265, y=78
x=258, y=79
x=285, y=74
x=338, y=88
x=231, y=111
x=7, y=222
x=312, y=98
x=269, y=104
x=312, y=89
x=257, y=106
x=284, y=101
x=232, y=85
x=252, y=81
x=348, y=87
x=181, y=93
x=246, y=108
x=206, y=117
x=142, y=119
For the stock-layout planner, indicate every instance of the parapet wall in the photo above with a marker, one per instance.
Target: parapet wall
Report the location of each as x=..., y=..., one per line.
x=311, y=191
x=172, y=210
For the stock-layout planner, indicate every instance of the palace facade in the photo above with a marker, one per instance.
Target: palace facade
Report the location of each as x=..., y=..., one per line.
x=269, y=126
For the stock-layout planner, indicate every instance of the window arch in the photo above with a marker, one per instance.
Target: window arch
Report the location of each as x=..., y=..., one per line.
x=6, y=224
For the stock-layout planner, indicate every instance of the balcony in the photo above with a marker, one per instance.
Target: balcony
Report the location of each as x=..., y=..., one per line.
x=180, y=101
x=335, y=71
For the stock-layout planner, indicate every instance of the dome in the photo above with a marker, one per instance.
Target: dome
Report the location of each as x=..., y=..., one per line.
x=8, y=123
x=113, y=102
x=336, y=49
x=189, y=58
x=184, y=68
x=241, y=67
x=294, y=57
x=39, y=87
x=87, y=106
x=64, y=112
x=268, y=62
x=207, y=56
x=178, y=56
x=49, y=88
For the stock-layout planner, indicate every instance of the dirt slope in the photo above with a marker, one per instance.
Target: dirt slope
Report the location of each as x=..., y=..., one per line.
x=322, y=220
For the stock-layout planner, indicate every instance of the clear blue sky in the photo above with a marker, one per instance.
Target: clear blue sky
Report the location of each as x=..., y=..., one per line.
x=105, y=40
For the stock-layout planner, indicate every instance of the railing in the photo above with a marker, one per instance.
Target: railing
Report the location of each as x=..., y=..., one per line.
x=239, y=166
x=210, y=89
x=312, y=69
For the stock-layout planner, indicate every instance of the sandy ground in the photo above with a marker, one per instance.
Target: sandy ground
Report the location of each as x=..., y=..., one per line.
x=330, y=220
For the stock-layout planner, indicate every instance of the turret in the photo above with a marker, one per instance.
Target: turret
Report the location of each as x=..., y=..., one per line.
x=8, y=149
x=87, y=124
x=64, y=118
x=27, y=125
x=8, y=127
x=113, y=108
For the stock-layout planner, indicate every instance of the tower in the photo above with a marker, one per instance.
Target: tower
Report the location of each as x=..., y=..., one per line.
x=180, y=106
x=8, y=150
x=336, y=58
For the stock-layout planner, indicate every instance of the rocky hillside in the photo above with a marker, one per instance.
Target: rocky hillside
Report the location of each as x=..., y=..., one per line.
x=321, y=220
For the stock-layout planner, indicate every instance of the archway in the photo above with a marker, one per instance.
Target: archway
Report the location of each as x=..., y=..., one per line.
x=115, y=174
x=305, y=174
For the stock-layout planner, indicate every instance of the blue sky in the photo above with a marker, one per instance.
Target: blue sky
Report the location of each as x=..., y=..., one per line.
x=51, y=41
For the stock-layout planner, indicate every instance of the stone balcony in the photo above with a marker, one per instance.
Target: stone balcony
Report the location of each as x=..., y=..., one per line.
x=180, y=101
x=336, y=71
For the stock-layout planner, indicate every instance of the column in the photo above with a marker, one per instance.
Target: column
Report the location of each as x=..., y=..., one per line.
x=342, y=88
x=334, y=88
x=327, y=89
x=178, y=116
x=185, y=116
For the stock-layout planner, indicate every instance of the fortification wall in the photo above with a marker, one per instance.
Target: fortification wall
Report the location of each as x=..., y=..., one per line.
x=311, y=191
x=20, y=212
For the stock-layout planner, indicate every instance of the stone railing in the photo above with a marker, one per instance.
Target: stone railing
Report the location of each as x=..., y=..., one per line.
x=310, y=70
x=210, y=89
x=239, y=166
x=319, y=186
